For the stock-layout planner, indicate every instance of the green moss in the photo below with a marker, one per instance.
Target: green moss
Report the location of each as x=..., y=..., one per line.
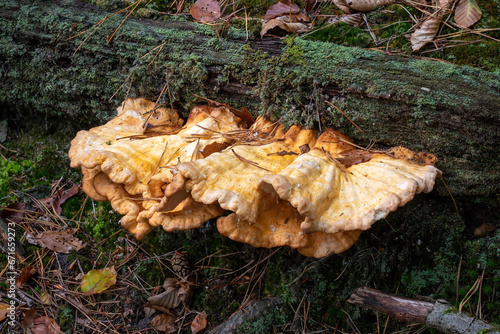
x=66, y=318
x=266, y=324
x=343, y=34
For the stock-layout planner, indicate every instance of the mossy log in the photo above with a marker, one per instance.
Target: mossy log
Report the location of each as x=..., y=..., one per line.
x=425, y=105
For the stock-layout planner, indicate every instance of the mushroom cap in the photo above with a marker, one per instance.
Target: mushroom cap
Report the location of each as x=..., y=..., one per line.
x=335, y=198
x=283, y=187
x=133, y=157
x=229, y=177
x=278, y=224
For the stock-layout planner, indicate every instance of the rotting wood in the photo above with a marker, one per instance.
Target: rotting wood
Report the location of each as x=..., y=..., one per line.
x=429, y=106
x=438, y=314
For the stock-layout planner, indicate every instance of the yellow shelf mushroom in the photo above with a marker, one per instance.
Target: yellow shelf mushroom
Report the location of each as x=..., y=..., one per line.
x=314, y=194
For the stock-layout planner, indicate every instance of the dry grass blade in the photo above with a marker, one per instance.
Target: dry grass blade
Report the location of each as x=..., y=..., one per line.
x=251, y=163
x=449, y=192
x=247, y=137
x=350, y=120
x=470, y=293
x=96, y=26
x=336, y=162
x=125, y=19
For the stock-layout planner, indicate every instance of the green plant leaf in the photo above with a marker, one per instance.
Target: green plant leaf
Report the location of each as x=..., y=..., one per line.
x=467, y=13
x=96, y=281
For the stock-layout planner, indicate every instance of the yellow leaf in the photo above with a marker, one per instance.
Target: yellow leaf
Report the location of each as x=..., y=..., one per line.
x=96, y=281
x=45, y=298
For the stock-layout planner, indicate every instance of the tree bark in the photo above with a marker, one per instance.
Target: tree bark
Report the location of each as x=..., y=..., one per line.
x=429, y=106
x=438, y=314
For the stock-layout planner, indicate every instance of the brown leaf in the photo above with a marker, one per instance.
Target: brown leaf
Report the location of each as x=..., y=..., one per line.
x=467, y=13
x=484, y=230
x=304, y=149
x=29, y=317
x=13, y=213
x=361, y=5
x=205, y=10
x=425, y=33
x=175, y=293
x=351, y=19
x=284, y=7
x=26, y=274
x=57, y=241
x=4, y=310
x=199, y=322
x=282, y=24
x=164, y=322
x=55, y=201
x=354, y=157
x=45, y=325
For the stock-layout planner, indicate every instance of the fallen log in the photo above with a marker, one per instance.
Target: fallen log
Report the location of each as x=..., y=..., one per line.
x=53, y=80
x=438, y=314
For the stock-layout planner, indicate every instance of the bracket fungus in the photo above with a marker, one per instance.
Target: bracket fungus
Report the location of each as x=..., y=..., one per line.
x=293, y=188
x=120, y=158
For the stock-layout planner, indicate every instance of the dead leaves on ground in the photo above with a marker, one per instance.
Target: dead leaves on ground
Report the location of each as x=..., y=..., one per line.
x=33, y=324
x=55, y=201
x=467, y=13
x=26, y=274
x=283, y=23
x=175, y=294
x=285, y=16
x=205, y=10
x=199, y=322
x=284, y=7
x=44, y=325
x=57, y=241
x=97, y=281
x=173, y=302
x=4, y=311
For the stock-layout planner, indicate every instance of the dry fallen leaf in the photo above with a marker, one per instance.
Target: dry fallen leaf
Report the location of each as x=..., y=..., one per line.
x=175, y=293
x=26, y=274
x=484, y=230
x=29, y=319
x=199, y=322
x=13, y=212
x=45, y=298
x=164, y=322
x=354, y=157
x=282, y=24
x=55, y=201
x=284, y=7
x=44, y=325
x=351, y=19
x=467, y=13
x=96, y=281
x=205, y=10
x=57, y=241
x=425, y=33
x=4, y=310
x=361, y=5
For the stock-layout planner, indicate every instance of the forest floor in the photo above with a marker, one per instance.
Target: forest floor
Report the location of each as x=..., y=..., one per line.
x=437, y=247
